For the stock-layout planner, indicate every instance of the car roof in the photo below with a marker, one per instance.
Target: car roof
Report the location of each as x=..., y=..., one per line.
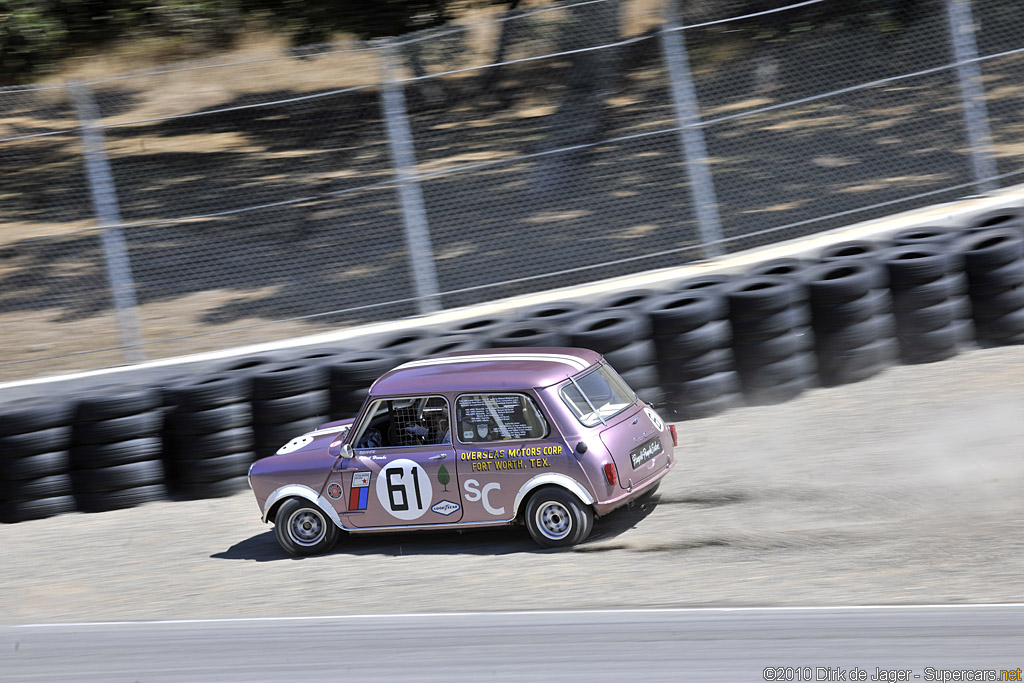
x=485, y=370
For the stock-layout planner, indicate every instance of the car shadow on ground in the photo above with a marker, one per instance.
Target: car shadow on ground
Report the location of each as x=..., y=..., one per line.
x=502, y=540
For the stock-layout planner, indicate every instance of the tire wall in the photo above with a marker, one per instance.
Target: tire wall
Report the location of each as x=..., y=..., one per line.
x=693, y=348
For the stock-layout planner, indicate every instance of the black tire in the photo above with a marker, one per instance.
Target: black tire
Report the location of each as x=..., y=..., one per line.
x=991, y=248
x=777, y=373
x=713, y=283
x=246, y=365
x=480, y=326
x=844, y=367
x=212, y=489
x=768, y=350
x=910, y=237
x=644, y=377
x=1003, y=329
x=106, y=403
x=322, y=355
x=445, y=344
x=929, y=347
x=556, y=518
x=35, y=466
x=928, y=293
x=996, y=280
x=12, y=513
x=704, y=388
x=117, y=453
x=105, y=501
x=633, y=355
x=346, y=403
x=50, y=486
x=762, y=295
x=208, y=393
x=748, y=330
x=685, y=370
x=33, y=415
x=212, y=469
x=288, y=379
x=399, y=343
x=290, y=408
x=302, y=528
x=605, y=331
x=195, y=446
x=31, y=443
x=997, y=305
x=273, y=436
x=852, y=336
x=785, y=267
x=851, y=250
x=1006, y=217
x=556, y=312
x=927, y=319
x=523, y=334
x=117, y=429
x=116, y=477
x=837, y=316
x=228, y=416
x=696, y=342
x=840, y=281
x=360, y=369
x=915, y=265
x=638, y=300
x=685, y=311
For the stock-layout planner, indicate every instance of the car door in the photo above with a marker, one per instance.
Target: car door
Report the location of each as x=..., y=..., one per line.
x=402, y=472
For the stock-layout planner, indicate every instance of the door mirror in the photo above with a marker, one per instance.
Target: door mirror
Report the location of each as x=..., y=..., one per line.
x=346, y=451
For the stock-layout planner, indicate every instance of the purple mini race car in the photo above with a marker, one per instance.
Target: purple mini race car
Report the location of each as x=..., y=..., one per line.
x=547, y=437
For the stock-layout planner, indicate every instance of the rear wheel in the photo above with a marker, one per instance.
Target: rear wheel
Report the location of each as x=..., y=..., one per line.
x=302, y=528
x=557, y=519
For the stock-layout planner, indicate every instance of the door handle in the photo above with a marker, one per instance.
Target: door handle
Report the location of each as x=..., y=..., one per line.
x=439, y=456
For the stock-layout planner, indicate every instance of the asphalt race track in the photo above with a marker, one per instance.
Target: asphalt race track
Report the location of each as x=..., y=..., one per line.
x=818, y=644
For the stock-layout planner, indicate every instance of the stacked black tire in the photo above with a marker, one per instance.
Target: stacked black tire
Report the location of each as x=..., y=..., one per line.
x=350, y=376
x=852, y=320
x=208, y=439
x=527, y=333
x=34, y=460
x=772, y=337
x=288, y=399
x=622, y=336
x=994, y=265
x=116, y=449
x=692, y=339
x=930, y=310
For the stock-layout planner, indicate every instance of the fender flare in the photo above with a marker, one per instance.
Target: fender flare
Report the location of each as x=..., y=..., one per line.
x=553, y=479
x=301, y=491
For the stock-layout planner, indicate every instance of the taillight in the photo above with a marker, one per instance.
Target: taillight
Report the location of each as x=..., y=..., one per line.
x=675, y=437
x=610, y=474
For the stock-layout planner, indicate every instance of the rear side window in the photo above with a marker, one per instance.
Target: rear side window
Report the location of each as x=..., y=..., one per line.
x=497, y=417
x=597, y=395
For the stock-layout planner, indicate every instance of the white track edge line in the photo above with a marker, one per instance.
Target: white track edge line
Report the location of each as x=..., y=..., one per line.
x=428, y=615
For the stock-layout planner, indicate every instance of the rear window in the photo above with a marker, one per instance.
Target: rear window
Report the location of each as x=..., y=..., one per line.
x=598, y=395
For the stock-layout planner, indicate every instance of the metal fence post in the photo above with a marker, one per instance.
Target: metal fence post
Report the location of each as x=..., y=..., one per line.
x=108, y=215
x=403, y=156
x=972, y=92
x=691, y=136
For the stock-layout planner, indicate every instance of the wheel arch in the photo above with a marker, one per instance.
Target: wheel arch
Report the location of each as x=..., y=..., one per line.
x=551, y=479
x=280, y=495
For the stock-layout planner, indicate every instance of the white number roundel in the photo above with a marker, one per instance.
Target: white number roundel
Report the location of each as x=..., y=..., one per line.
x=404, y=489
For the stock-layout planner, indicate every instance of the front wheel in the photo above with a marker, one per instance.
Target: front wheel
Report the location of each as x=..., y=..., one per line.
x=302, y=528
x=557, y=519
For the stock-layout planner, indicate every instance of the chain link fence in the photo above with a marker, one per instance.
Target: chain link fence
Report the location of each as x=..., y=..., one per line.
x=279, y=194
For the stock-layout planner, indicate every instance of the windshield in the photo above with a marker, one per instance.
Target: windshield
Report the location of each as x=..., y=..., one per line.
x=598, y=395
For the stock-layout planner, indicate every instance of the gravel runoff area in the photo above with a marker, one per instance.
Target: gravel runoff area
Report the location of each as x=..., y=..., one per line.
x=906, y=488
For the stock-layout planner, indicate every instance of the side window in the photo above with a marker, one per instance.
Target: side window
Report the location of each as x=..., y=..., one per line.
x=397, y=422
x=497, y=417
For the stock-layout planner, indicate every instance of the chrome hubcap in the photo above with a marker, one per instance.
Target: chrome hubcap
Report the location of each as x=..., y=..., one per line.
x=554, y=520
x=307, y=527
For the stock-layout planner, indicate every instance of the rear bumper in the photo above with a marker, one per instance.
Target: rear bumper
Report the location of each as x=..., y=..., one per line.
x=603, y=507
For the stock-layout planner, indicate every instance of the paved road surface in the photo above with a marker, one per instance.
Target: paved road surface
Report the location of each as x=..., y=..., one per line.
x=607, y=645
